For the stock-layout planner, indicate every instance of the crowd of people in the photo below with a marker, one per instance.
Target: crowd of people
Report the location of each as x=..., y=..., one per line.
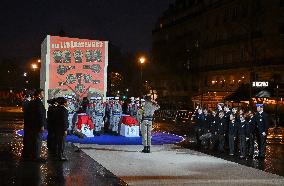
x=67, y=115
x=232, y=129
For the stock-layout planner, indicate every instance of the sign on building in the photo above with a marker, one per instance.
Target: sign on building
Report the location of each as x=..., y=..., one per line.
x=72, y=66
x=260, y=84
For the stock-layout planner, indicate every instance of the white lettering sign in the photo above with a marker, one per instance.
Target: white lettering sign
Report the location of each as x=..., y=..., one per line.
x=260, y=84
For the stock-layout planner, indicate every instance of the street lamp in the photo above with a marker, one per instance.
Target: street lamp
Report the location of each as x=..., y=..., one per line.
x=34, y=66
x=38, y=61
x=142, y=61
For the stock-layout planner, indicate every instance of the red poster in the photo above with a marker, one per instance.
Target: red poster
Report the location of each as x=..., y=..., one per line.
x=77, y=67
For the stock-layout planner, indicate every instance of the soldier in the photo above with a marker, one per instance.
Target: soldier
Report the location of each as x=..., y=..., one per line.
x=232, y=133
x=242, y=125
x=130, y=106
x=140, y=113
x=98, y=116
x=198, y=130
x=71, y=111
x=261, y=120
x=221, y=131
x=116, y=112
x=250, y=132
x=213, y=129
x=135, y=108
x=149, y=108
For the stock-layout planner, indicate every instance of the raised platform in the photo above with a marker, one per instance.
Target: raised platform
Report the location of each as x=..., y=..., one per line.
x=158, y=138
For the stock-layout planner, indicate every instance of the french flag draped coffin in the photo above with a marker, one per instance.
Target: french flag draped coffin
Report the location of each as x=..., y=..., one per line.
x=129, y=126
x=85, y=125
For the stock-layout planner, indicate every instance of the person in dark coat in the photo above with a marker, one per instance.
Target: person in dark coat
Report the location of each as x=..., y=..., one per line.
x=221, y=131
x=250, y=132
x=198, y=118
x=242, y=129
x=51, y=120
x=61, y=127
x=261, y=120
x=37, y=121
x=27, y=131
x=232, y=133
x=213, y=129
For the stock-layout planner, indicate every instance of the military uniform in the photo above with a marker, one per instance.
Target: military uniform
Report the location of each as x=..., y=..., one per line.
x=250, y=135
x=98, y=117
x=261, y=128
x=232, y=133
x=115, y=117
x=146, y=126
x=242, y=128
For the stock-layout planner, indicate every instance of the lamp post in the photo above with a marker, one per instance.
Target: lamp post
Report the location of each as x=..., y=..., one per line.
x=142, y=61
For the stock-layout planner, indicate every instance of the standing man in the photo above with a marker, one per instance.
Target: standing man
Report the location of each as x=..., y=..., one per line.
x=242, y=129
x=199, y=119
x=98, y=116
x=261, y=128
x=149, y=108
x=221, y=131
x=51, y=121
x=61, y=127
x=116, y=112
x=38, y=122
x=250, y=133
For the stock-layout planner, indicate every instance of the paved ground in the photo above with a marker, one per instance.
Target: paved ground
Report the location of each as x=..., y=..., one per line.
x=79, y=170
x=172, y=165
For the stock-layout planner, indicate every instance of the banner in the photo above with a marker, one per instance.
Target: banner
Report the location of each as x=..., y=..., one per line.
x=75, y=67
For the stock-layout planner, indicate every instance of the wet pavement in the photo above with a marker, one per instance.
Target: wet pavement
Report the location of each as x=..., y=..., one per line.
x=79, y=170
x=273, y=162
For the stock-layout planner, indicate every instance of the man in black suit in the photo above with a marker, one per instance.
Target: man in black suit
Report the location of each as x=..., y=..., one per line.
x=261, y=120
x=61, y=126
x=37, y=115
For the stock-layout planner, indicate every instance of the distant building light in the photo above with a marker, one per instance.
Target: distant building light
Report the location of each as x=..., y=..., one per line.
x=25, y=74
x=243, y=77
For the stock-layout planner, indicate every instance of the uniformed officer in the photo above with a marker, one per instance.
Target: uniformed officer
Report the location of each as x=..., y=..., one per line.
x=135, y=108
x=261, y=120
x=250, y=132
x=98, y=116
x=146, y=127
x=116, y=112
x=221, y=131
x=130, y=106
x=232, y=133
x=140, y=113
x=213, y=127
x=198, y=129
x=242, y=128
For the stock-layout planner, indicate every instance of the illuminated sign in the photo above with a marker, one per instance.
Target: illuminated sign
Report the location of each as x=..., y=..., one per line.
x=260, y=84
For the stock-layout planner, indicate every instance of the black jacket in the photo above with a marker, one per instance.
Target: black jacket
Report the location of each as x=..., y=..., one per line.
x=242, y=128
x=37, y=114
x=61, y=116
x=261, y=122
x=221, y=126
x=232, y=128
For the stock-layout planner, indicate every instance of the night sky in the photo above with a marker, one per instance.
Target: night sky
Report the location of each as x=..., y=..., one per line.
x=125, y=23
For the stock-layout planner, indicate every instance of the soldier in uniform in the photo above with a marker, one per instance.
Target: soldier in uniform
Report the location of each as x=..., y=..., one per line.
x=213, y=129
x=242, y=128
x=135, y=108
x=198, y=129
x=261, y=120
x=232, y=133
x=221, y=131
x=250, y=132
x=149, y=108
x=130, y=106
x=116, y=111
x=140, y=113
x=98, y=116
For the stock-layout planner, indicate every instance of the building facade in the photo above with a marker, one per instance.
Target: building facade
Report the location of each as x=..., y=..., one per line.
x=207, y=49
